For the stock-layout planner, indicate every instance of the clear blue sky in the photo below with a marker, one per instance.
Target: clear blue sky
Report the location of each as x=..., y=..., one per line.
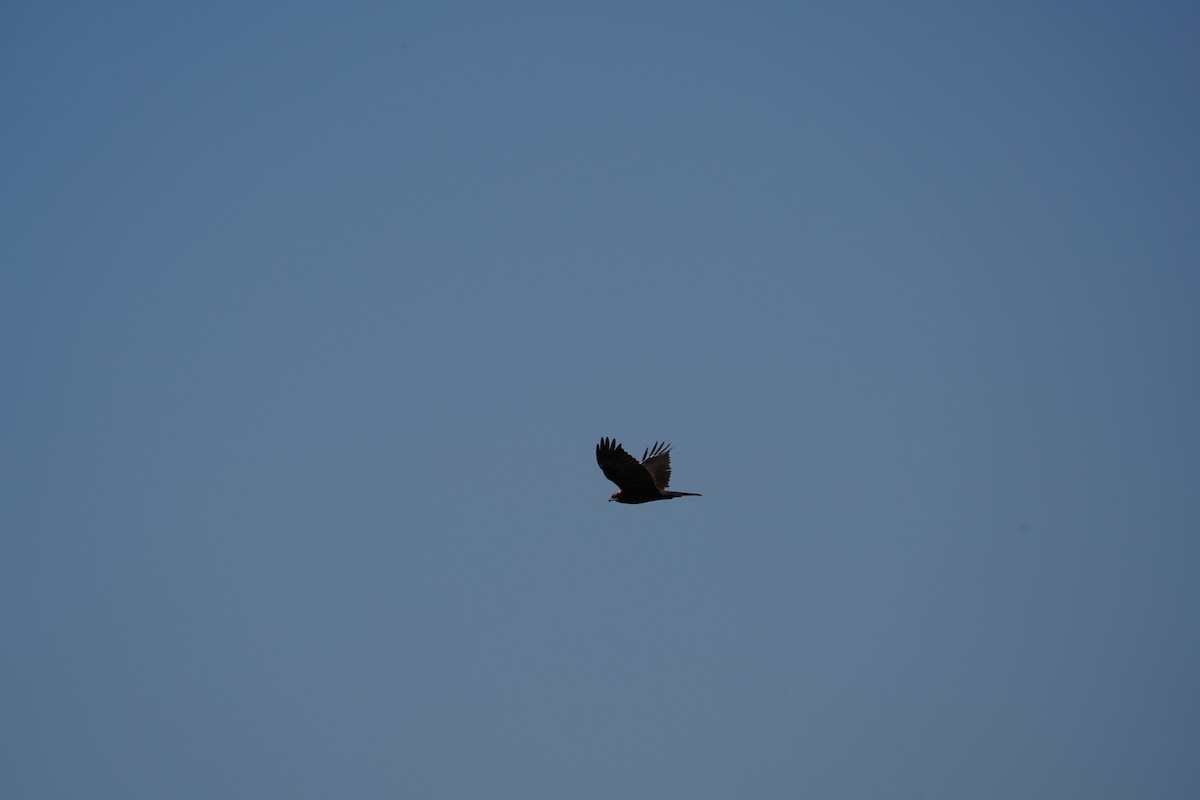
x=311, y=316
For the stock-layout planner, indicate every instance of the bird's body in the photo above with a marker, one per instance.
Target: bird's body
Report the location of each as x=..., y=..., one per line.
x=639, y=482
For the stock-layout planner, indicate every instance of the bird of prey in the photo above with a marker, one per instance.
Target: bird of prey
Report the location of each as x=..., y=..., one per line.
x=638, y=483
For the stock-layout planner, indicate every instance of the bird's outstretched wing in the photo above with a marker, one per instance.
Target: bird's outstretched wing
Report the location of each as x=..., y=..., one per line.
x=657, y=461
x=623, y=469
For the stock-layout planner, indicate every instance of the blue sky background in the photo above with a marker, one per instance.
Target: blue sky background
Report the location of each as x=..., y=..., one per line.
x=312, y=314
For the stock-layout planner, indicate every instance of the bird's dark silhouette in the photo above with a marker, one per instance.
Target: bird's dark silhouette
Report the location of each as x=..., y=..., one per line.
x=638, y=482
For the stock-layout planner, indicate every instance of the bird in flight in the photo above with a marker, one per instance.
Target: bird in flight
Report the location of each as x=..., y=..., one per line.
x=638, y=482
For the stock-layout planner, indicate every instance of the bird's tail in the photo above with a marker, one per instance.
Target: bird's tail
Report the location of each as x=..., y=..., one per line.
x=682, y=494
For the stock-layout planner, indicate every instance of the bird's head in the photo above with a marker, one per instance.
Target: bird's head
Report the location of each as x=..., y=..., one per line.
x=615, y=495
